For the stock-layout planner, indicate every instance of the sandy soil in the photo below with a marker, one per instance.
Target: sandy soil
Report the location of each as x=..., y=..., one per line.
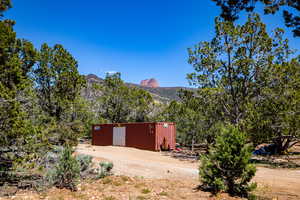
x=136, y=162
x=283, y=183
x=126, y=188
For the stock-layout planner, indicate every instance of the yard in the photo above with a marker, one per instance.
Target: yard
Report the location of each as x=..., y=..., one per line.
x=140, y=174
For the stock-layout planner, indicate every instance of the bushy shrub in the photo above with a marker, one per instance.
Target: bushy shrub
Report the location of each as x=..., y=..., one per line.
x=67, y=171
x=51, y=158
x=105, y=169
x=227, y=166
x=84, y=161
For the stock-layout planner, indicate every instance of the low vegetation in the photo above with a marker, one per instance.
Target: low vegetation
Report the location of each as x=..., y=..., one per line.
x=67, y=171
x=105, y=169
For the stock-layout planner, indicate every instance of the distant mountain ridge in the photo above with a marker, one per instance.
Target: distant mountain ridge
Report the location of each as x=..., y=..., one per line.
x=165, y=94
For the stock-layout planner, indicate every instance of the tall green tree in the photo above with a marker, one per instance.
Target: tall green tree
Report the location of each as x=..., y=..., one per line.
x=18, y=136
x=120, y=103
x=277, y=113
x=190, y=113
x=235, y=63
x=58, y=84
x=235, y=70
x=232, y=8
x=143, y=105
x=57, y=80
x=115, y=101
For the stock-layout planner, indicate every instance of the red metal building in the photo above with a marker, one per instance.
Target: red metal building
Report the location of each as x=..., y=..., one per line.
x=152, y=136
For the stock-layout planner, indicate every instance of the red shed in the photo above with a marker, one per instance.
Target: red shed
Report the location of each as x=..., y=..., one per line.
x=152, y=136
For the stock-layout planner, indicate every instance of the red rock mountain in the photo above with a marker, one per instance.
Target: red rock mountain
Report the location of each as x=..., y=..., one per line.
x=150, y=83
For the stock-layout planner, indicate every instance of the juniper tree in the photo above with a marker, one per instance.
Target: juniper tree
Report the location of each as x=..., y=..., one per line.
x=115, y=101
x=4, y=5
x=232, y=8
x=142, y=105
x=120, y=103
x=235, y=71
x=227, y=167
x=236, y=62
x=58, y=81
x=190, y=113
x=277, y=116
x=18, y=135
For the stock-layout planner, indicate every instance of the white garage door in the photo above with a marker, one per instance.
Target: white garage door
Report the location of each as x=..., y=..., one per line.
x=119, y=135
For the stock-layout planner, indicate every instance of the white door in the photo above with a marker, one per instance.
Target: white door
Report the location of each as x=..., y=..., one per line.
x=119, y=135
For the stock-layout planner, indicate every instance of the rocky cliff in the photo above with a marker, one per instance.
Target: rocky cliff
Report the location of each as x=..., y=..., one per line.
x=150, y=83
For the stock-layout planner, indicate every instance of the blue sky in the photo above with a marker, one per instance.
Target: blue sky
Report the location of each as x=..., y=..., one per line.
x=139, y=38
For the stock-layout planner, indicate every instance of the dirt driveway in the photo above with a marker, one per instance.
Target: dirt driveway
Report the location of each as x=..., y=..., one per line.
x=136, y=162
x=156, y=165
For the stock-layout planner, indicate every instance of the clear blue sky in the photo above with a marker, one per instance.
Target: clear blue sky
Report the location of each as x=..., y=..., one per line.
x=139, y=38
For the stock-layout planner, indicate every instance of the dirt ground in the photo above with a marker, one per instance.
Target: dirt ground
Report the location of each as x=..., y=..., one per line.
x=151, y=175
x=135, y=162
x=278, y=182
x=126, y=188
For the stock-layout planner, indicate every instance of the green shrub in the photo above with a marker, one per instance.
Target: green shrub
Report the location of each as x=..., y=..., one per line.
x=67, y=171
x=84, y=161
x=105, y=169
x=146, y=191
x=227, y=166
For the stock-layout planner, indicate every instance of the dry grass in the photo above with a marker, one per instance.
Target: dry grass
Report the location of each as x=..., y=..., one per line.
x=128, y=188
x=124, y=188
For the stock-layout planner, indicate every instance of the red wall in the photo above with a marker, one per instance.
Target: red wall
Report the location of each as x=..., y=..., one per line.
x=104, y=136
x=169, y=133
x=140, y=135
x=148, y=136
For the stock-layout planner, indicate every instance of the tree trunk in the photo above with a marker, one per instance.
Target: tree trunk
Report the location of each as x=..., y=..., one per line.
x=193, y=143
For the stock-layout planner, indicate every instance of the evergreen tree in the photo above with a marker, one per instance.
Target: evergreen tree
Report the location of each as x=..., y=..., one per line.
x=58, y=84
x=227, y=166
x=190, y=113
x=18, y=135
x=4, y=5
x=232, y=8
x=233, y=67
x=143, y=105
x=115, y=101
x=120, y=103
x=277, y=116
x=241, y=72
x=58, y=81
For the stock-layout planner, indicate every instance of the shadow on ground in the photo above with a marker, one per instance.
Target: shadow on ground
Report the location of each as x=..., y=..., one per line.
x=269, y=161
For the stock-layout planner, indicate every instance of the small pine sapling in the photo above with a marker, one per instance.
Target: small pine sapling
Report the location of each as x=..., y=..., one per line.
x=227, y=167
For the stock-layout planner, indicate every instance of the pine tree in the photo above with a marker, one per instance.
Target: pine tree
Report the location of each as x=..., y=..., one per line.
x=58, y=81
x=231, y=9
x=227, y=166
x=58, y=84
x=120, y=103
x=18, y=136
x=4, y=5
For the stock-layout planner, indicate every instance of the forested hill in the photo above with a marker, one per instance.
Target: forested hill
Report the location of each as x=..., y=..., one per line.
x=159, y=93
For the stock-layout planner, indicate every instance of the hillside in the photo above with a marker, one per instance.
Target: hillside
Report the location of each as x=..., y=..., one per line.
x=163, y=94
